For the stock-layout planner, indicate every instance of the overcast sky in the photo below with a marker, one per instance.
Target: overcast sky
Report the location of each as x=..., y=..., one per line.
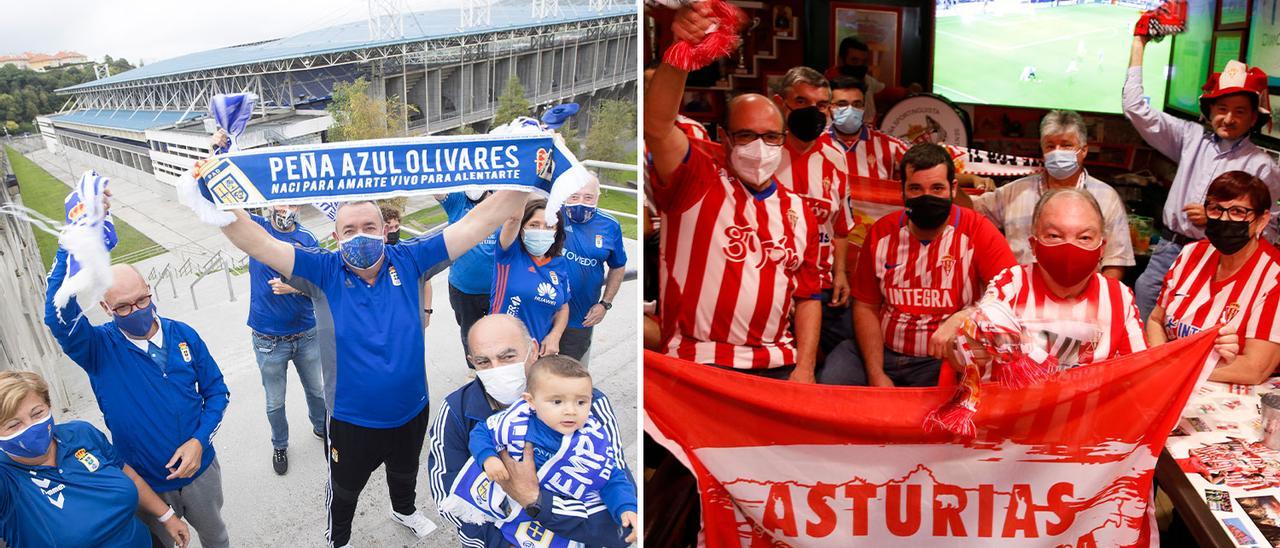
x=159, y=29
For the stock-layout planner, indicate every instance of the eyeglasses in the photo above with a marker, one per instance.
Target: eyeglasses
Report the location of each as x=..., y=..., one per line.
x=128, y=308
x=746, y=137
x=1234, y=213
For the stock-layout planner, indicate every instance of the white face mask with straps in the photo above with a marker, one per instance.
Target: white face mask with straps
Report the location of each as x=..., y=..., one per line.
x=755, y=162
x=505, y=382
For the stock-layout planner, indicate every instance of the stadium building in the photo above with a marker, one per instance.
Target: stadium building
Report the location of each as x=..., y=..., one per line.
x=450, y=65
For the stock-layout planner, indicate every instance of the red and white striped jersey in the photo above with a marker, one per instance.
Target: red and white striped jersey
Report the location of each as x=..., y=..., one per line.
x=731, y=263
x=1099, y=324
x=876, y=154
x=917, y=285
x=692, y=128
x=1193, y=301
x=821, y=179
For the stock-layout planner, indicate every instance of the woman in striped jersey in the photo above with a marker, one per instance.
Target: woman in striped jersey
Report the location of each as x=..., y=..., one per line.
x=1232, y=278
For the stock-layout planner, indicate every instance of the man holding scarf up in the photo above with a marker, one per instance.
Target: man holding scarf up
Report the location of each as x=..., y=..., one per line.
x=160, y=391
x=380, y=408
x=1235, y=103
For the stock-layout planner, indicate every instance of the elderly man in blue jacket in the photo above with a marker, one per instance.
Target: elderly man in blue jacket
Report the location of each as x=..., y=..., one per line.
x=161, y=394
x=501, y=349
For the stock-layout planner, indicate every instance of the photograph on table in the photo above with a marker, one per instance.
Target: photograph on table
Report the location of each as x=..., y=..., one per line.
x=1264, y=512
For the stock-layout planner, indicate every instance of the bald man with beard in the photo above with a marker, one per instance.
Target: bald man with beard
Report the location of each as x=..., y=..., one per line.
x=160, y=391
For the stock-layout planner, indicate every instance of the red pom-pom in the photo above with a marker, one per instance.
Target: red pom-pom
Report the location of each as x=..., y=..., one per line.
x=716, y=44
x=954, y=417
x=1024, y=371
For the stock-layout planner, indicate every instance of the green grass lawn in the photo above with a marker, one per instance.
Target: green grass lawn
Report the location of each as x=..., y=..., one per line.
x=626, y=203
x=44, y=193
x=614, y=201
x=979, y=58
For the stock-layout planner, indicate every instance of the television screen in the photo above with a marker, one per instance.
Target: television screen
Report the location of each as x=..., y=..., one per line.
x=1191, y=53
x=1264, y=39
x=1057, y=54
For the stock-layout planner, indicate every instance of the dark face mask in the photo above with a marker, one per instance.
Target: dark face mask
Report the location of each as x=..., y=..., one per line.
x=806, y=123
x=1227, y=237
x=854, y=71
x=928, y=211
x=393, y=238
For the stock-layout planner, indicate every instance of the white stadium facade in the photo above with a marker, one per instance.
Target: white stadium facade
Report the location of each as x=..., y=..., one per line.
x=451, y=65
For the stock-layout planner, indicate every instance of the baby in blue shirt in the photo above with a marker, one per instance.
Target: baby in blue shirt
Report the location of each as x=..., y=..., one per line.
x=555, y=416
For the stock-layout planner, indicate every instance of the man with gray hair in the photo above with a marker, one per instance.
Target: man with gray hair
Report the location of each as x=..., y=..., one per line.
x=1010, y=207
x=815, y=169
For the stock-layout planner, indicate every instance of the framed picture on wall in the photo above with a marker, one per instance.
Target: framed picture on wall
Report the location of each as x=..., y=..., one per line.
x=1227, y=45
x=1233, y=14
x=879, y=27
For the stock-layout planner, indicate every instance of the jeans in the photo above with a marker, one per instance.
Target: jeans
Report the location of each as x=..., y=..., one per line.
x=845, y=366
x=1147, y=289
x=273, y=363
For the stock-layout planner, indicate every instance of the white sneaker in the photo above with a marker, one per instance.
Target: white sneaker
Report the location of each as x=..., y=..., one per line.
x=416, y=522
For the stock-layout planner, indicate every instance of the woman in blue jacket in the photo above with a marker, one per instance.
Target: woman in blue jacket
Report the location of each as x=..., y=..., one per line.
x=63, y=484
x=530, y=278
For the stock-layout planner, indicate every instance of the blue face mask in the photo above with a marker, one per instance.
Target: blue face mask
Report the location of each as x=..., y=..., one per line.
x=362, y=250
x=31, y=442
x=1061, y=163
x=538, y=241
x=579, y=213
x=848, y=120
x=137, y=323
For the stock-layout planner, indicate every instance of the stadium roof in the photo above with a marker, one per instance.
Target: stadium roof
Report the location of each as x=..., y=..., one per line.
x=132, y=120
x=418, y=26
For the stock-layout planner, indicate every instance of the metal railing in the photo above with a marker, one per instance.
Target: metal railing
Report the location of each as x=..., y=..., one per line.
x=615, y=166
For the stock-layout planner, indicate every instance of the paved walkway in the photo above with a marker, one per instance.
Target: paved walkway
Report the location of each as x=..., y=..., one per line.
x=263, y=509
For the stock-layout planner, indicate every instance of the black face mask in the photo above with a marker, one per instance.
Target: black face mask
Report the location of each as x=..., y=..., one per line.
x=393, y=238
x=806, y=123
x=854, y=71
x=1227, y=237
x=928, y=211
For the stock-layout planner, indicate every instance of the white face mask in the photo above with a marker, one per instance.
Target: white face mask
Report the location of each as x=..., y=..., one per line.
x=755, y=162
x=505, y=382
x=1061, y=163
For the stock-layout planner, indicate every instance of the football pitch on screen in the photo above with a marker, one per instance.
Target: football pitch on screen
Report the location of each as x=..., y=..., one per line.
x=1079, y=55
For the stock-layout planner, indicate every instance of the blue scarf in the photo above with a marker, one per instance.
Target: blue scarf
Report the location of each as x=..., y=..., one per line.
x=475, y=499
x=384, y=168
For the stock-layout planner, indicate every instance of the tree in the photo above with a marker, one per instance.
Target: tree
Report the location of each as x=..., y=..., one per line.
x=512, y=103
x=612, y=137
x=357, y=116
x=569, y=132
x=11, y=125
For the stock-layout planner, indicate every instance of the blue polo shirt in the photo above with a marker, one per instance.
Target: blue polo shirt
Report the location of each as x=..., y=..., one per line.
x=381, y=375
x=471, y=273
x=273, y=314
x=588, y=247
x=527, y=290
x=85, y=499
